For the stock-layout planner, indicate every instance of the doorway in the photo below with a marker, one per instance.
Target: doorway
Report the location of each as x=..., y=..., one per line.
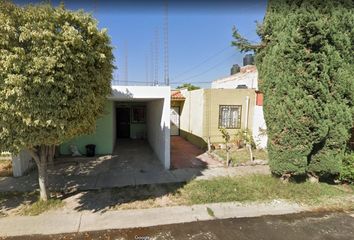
x=174, y=121
x=123, y=122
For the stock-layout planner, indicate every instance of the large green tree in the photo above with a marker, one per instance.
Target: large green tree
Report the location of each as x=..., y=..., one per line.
x=306, y=67
x=55, y=73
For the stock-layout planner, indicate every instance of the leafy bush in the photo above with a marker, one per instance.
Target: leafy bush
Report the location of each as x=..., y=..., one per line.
x=244, y=137
x=347, y=170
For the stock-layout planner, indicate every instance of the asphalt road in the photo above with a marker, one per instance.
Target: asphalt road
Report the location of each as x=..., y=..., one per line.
x=321, y=226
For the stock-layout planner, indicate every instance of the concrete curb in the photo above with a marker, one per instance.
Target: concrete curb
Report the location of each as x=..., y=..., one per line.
x=55, y=223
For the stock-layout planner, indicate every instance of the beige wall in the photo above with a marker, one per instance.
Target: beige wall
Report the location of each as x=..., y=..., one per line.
x=215, y=98
x=200, y=113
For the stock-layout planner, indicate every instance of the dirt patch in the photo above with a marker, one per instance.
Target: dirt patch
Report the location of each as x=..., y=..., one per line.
x=13, y=203
x=5, y=168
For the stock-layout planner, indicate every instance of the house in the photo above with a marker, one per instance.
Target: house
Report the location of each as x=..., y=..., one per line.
x=131, y=112
x=233, y=102
x=247, y=77
x=203, y=112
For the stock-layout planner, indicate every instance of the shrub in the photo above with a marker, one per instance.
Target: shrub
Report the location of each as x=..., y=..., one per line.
x=347, y=170
x=306, y=67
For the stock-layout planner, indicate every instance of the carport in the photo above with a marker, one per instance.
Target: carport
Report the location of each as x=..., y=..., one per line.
x=141, y=113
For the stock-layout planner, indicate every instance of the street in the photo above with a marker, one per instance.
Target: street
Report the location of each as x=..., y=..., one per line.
x=302, y=226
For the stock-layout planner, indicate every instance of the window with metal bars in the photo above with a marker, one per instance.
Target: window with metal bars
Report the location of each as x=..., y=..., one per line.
x=230, y=116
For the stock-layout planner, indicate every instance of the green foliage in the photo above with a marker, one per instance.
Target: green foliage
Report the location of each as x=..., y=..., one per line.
x=244, y=137
x=238, y=156
x=55, y=73
x=188, y=86
x=225, y=135
x=347, y=171
x=258, y=188
x=306, y=66
x=39, y=207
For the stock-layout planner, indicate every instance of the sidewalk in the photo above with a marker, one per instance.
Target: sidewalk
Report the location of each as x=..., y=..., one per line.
x=54, y=222
x=111, y=179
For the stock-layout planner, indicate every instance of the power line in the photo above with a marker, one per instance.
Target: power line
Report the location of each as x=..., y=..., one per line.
x=208, y=70
x=201, y=63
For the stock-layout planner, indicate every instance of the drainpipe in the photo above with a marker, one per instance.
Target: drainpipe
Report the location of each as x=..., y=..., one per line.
x=247, y=110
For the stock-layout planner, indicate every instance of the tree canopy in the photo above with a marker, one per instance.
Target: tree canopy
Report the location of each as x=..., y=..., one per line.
x=188, y=86
x=306, y=65
x=55, y=74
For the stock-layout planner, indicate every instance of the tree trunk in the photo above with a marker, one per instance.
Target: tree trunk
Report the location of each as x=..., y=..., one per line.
x=42, y=155
x=43, y=181
x=250, y=150
x=51, y=153
x=209, y=145
x=227, y=155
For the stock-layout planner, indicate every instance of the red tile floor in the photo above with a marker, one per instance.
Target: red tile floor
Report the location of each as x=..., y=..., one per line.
x=186, y=155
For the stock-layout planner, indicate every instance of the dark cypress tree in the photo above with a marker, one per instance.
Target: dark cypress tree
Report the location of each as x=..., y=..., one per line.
x=306, y=67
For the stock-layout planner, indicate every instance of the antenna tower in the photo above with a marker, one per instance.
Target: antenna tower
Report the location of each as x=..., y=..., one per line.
x=156, y=57
x=166, y=57
x=125, y=63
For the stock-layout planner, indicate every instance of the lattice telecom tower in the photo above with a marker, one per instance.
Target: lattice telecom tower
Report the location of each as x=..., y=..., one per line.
x=165, y=41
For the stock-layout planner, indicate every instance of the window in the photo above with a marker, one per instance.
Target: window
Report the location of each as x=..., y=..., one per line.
x=229, y=116
x=138, y=114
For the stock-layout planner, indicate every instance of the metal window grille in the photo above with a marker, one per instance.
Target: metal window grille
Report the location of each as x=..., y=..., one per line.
x=229, y=116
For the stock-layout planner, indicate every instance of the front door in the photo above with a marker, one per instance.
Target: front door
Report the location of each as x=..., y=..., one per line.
x=174, y=121
x=123, y=122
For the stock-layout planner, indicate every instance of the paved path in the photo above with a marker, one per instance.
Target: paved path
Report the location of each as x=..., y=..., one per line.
x=111, y=179
x=54, y=223
x=186, y=155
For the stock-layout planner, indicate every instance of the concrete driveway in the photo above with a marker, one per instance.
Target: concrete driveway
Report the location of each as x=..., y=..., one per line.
x=133, y=163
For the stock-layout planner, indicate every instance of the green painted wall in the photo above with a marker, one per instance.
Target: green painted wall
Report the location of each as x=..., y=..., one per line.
x=102, y=138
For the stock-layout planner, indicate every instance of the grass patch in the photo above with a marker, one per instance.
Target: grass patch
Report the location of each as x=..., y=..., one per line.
x=147, y=196
x=258, y=188
x=39, y=207
x=242, y=155
x=210, y=212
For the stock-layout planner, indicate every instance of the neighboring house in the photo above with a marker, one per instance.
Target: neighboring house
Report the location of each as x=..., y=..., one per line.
x=201, y=113
x=233, y=103
x=247, y=77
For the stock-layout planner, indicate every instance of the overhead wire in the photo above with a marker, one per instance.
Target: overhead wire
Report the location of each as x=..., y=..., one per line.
x=201, y=63
x=204, y=72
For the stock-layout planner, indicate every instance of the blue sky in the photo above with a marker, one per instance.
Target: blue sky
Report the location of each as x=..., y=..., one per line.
x=200, y=35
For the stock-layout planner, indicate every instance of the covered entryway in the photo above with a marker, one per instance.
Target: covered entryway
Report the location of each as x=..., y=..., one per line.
x=142, y=116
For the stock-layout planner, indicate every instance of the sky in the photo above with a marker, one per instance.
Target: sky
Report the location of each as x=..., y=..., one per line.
x=199, y=39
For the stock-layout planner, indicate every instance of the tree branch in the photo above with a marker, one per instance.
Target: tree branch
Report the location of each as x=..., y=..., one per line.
x=243, y=44
x=34, y=155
